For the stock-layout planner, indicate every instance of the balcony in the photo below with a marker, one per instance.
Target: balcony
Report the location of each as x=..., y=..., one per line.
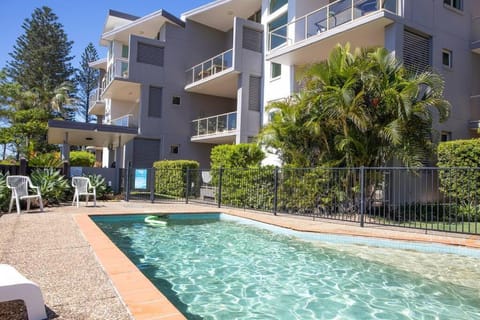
x=214, y=76
x=476, y=35
x=96, y=105
x=310, y=38
x=115, y=84
x=125, y=121
x=217, y=129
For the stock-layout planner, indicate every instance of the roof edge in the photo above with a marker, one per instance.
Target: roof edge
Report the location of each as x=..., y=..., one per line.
x=122, y=15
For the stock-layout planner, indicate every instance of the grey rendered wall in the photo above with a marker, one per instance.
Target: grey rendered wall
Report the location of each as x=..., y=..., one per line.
x=249, y=63
x=183, y=48
x=449, y=29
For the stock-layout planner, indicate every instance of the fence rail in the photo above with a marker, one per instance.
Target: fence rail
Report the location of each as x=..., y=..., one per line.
x=436, y=199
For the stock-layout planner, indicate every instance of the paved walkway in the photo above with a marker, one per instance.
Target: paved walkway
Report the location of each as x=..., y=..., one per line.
x=50, y=249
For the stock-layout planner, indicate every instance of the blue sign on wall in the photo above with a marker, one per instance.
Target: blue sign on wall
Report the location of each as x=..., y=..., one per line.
x=140, y=181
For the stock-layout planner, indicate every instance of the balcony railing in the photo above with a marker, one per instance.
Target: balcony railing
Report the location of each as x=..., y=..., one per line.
x=125, y=121
x=95, y=96
x=210, y=67
x=326, y=18
x=118, y=69
x=222, y=123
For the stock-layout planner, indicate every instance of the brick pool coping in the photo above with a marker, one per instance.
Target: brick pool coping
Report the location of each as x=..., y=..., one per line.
x=145, y=301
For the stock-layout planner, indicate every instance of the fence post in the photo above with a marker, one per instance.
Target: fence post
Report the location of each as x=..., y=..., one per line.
x=127, y=184
x=23, y=167
x=187, y=187
x=152, y=185
x=362, y=195
x=275, y=191
x=66, y=168
x=220, y=174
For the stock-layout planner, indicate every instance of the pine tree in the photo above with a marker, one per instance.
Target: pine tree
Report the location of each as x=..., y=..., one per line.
x=41, y=55
x=87, y=79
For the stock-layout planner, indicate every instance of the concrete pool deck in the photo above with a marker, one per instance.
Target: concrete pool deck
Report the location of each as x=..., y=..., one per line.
x=84, y=276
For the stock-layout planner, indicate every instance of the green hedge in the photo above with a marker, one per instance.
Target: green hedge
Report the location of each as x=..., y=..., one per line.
x=236, y=156
x=251, y=188
x=461, y=184
x=171, y=177
x=82, y=159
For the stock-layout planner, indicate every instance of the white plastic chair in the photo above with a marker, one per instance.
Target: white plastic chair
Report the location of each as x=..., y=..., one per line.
x=83, y=187
x=19, y=186
x=14, y=286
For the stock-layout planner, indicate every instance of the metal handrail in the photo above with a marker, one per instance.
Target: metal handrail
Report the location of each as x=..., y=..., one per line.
x=221, y=123
x=95, y=95
x=210, y=67
x=326, y=18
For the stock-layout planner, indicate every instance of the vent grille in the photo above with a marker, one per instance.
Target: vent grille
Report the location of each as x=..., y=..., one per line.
x=150, y=54
x=252, y=39
x=254, y=93
x=155, y=102
x=417, y=52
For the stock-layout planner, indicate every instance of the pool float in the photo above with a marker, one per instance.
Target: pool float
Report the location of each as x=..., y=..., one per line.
x=156, y=221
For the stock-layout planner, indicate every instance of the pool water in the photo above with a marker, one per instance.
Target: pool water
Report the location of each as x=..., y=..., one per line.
x=214, y=269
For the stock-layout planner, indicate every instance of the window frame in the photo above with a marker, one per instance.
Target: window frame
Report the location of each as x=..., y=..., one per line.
x=272, y=75
x=454, y=4
x=276, y=8
x=449, y=54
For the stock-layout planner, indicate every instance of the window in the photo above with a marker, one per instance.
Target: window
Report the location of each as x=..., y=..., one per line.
x=150, y=54
x=456, y=4
x=155, y=102
x=445, y=136
x=277, y=4
x=174, y=148
x=447, y=58
x=279, y=28
x=176, y=100
x=124, y=51
x=256, y=17
x=276, y=70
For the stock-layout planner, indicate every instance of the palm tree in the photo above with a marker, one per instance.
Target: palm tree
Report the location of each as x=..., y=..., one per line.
x=358, y=109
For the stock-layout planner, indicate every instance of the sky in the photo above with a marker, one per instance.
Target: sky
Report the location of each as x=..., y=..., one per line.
x=82, y=20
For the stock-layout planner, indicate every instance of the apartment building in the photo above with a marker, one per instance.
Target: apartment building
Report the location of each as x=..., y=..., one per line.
x=172, y=88
x=438, y=34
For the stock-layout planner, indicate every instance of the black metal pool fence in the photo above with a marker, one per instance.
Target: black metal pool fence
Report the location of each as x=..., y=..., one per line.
x=440, y=199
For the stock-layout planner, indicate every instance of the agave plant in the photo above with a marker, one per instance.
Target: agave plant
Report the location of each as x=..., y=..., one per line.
x=98, y=182
x=53, y=185
x=4, y=192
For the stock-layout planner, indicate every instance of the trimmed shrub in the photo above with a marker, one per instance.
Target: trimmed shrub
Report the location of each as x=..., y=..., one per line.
x=53, y=185
x=251, y=188
x=171, y=176
x=236, y=156
x=461, y=183
x=82, y=159
x=464, y=182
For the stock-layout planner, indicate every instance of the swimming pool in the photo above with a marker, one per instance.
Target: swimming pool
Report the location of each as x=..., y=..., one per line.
x=219, y=267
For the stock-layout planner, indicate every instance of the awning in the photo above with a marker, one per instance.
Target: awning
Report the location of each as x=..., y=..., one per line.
x=89, y=134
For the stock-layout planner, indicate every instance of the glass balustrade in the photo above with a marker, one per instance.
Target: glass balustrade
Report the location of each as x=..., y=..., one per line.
x=125, y=121
x=210, y=67
x=215, y=125
x=326, y=18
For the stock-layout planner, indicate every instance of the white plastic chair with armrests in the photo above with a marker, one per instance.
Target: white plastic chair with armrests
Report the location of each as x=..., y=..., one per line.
x=20, y=186
x=83, y=187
